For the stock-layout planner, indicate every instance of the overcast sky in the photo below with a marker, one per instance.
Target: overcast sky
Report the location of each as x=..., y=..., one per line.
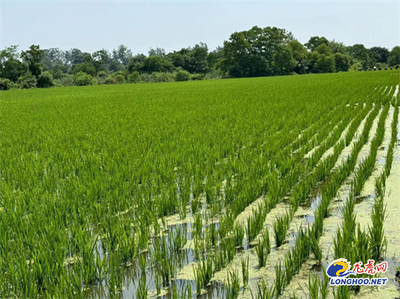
x=93, y=25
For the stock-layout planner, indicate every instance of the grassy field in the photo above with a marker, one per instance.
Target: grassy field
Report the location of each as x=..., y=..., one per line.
x=219, y=188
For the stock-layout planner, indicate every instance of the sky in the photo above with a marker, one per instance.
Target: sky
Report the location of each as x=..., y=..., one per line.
x=172, y=25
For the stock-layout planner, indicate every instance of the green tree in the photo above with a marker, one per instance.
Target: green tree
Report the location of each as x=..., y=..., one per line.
x=321, y=63
x=300, y=54
x=136, y=63
x=360, y=53
x=156, y=63
x=394, y=56
x=316, y=41
x=85, y=67
x=378, y=55
x=10, y=66
x=342, y=62
x=122, y=55
x=250, y=53
x=324, y=49
x=283, y=62
x=101, y=60
x=338, y=47
x=157, y=52
x=52, y=57
x=33, y=58
x=74, y=56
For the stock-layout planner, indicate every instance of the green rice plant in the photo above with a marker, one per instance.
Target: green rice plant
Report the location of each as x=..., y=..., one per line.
x=263, y=292
x=393, y=140
x=188, y=291
x=281, y=225
x=279, y=280
x=362, y=246
x=157, y=281
x=376, y=234
x=324, y=285
x=313, y=284
x=239, y=235
x=203, y=273
x=198, y=224
x=174, y=291
x=245, y=273
x=233, y=287
x=263, y=248
x=341, y=292
x=195, y=205
x=142, y=291
x=142, y=262
x=315, y=247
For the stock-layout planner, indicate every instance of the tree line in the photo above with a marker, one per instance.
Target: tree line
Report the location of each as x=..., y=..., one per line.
x=256, y=52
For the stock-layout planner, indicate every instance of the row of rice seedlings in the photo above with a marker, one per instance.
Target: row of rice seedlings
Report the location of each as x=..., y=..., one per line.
x=352, y=243
x=301, y=250
x=367, y=165
x=255, y=223
x=275, y=187
x=389, y=157
x=315, y=246
x=376, y=232
x=377, y=240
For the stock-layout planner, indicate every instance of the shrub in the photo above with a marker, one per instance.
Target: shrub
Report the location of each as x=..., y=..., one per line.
x=115, y=78
x=82, y=79
x=120, y=79
x=110, y=80
x=182, y=76
x=66, y=80
x=27, y=81
x=45, y=80
x=6, y=84
x=134, y=77
x=161, y=77
x=197, y=77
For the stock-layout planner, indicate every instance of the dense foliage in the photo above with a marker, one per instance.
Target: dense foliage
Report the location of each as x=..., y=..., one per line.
x=256, y=52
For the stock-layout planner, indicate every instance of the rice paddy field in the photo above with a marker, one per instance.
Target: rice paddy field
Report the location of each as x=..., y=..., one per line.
x=239, y=188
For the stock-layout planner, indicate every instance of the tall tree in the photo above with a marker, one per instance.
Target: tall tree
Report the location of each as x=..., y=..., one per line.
x=300, y=54
x=122, y=54
x=342, y=62
x=283, y=62
x=338, y=47
x=394, y=57
x=378, y=54
x=101, y=60
x=10, y=66
x=33, y=58
x=360, y=54
x=316, y=41
x=250, y=53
